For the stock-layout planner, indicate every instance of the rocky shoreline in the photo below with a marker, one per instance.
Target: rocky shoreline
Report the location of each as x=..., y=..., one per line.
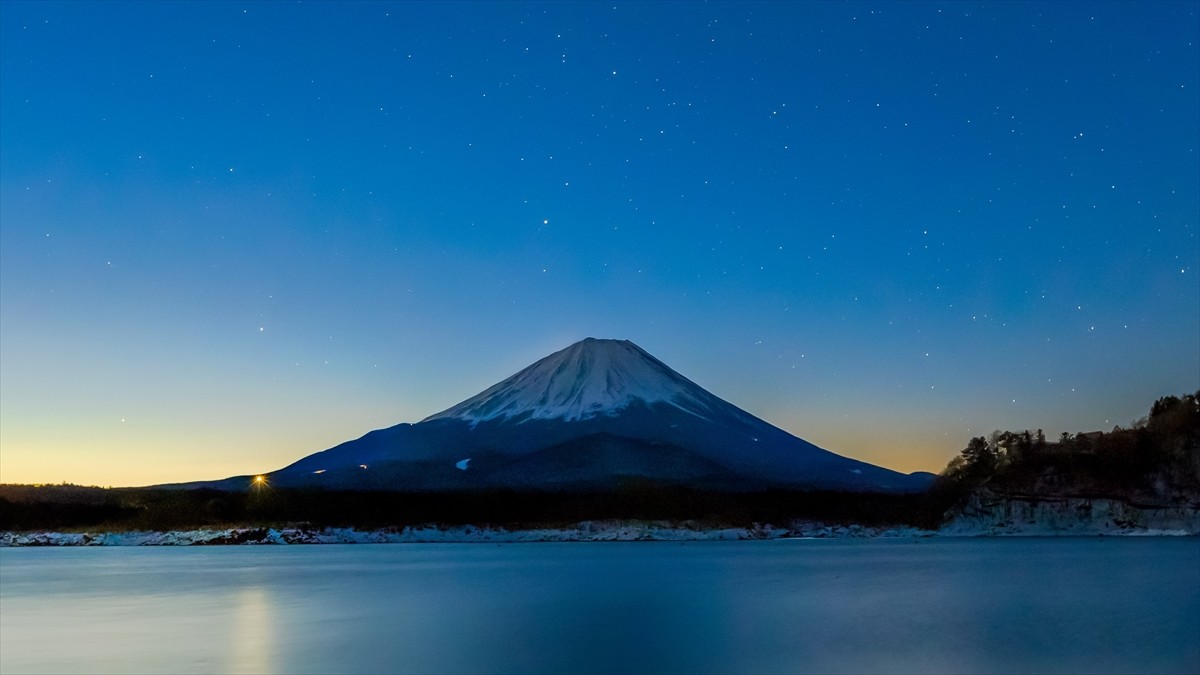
x=991, y=514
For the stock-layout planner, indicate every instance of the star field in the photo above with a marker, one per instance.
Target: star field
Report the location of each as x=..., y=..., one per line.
x=232, y=234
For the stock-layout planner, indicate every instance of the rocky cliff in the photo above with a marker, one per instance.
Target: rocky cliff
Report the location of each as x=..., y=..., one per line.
x=991, y=513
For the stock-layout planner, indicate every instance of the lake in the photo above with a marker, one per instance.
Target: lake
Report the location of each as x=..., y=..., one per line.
x=827, y=606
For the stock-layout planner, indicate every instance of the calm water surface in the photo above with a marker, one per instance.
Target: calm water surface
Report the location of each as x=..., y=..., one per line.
x=961, y=606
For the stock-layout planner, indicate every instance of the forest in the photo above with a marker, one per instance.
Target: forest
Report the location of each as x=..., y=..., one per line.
x=1156, y=460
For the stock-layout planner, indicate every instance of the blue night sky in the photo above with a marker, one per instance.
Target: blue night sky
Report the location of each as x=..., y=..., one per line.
x=236, y=233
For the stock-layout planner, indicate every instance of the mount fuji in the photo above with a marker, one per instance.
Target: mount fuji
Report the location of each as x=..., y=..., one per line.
x=594, y=416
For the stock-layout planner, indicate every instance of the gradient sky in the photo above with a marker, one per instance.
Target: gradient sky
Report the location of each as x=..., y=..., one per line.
x=236, y=233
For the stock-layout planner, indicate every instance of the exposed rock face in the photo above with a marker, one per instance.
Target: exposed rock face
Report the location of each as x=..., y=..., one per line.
x=990, y=513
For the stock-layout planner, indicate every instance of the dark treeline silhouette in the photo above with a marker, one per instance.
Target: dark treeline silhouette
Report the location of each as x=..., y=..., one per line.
x=1155, y=460
x=27, y=508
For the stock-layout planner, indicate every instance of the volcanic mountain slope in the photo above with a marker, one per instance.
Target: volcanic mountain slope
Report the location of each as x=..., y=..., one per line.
x=590, y=417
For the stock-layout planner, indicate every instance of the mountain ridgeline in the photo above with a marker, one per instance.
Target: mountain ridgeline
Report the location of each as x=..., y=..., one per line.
x=1147, y=476
x=597, y=416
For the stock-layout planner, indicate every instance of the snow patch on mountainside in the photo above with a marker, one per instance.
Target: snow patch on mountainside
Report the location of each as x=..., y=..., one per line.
x=589, y=378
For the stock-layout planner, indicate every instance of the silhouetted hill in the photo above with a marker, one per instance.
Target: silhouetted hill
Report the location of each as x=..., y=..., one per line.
x=1154, y=461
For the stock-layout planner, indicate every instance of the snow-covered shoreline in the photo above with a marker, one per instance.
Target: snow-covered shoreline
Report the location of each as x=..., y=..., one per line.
x=581, y=532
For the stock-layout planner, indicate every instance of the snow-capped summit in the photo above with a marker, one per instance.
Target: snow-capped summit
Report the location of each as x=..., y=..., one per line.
x=588, y=379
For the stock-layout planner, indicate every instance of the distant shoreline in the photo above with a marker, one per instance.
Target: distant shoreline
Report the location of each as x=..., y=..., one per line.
x=581, y=532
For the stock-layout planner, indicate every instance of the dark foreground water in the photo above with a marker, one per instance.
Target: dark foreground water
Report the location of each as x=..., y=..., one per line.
x=949, y=605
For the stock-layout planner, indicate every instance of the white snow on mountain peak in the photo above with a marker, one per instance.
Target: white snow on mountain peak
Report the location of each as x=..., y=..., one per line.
x=588, y=379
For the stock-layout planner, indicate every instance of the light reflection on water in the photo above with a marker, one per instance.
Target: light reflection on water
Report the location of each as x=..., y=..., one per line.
x=251, y=635
x=1016, y=605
